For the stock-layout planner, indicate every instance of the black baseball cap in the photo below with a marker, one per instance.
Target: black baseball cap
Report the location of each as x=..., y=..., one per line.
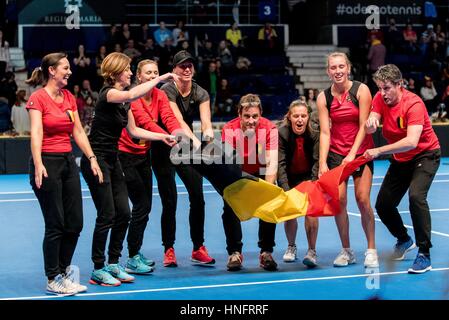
x=182, y=56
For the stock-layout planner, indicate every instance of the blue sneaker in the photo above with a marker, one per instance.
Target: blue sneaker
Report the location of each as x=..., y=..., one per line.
x=118, y=272
x=401, y=248
x=103, y=278
x=137, y=266
x=148, y=262
x=421, y=264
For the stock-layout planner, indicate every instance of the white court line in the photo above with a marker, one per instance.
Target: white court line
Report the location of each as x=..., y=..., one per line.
x=226, y=285
x=182, y=186
x=210, y=185
x=405, y=225
x=89, y=197
x=378, y=183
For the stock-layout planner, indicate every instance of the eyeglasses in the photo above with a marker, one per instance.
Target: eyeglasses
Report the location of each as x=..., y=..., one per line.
x=186, y=65
x=250, y=103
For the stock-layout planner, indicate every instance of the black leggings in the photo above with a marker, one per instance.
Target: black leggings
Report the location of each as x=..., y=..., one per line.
x=60, y=200
x=113, y=213
x=139, y=180
x=165, y=171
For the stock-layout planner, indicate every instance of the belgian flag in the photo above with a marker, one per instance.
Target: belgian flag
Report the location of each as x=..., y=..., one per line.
x=251, y=197
x=69, y=114
x=401, y=123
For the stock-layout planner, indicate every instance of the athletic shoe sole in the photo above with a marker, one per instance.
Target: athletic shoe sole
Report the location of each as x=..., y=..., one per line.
x=91, y=281
x=413, y=271
x=413, y=246
x=201, y=263
x=170, y=265
x=60, y=294
x=289, y=260
x=137, y=272
x=344, y=265
x=309, y=263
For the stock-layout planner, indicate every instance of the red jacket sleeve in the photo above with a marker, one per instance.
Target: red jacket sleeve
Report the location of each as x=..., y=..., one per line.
x=166, y=113
x=143, y=119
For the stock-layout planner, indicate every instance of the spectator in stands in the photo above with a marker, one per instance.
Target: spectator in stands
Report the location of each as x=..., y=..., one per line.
x=184, y=45
x=112, y=114
x=98, y=61
x=267, y=36
x=341, y=143
x=10, y=87
x=311, y=99
x=207, y=52
x=126, y=35
x=86, y=90
x=224, y=104
x=428, y=94
x=257, y=135
x=234, y=35
x=445, y=97
x=88, y=114
x=434, y=59
x=113, y=38
x=210, y=81
x=79, y=99
x=242, y=65
x=54, y=175
x=378, y=33
x=4, y=55
x=427, y=37
x=186, y=99
x=416, y=157
x=150, y=50
x=180, y=33
x=118, y=47
x=167, y=53
x=440, y=35
x=411, y=86
x=393, y=37
x=298, y=161
x=5, y=114
x=135, y=158
x=225, y=55
x=410, y=39
x=376, y=58
x=81, y=63
x=133, y=53
x=143, y=36
x=162, y=34
x=19, y=115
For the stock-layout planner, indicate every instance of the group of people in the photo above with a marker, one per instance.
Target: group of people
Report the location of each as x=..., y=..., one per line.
x=136, y=127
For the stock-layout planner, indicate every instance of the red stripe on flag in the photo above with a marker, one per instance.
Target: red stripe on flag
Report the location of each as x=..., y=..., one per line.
x=323, y=193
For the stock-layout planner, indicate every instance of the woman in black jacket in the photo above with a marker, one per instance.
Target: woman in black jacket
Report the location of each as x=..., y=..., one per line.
x=298, y=161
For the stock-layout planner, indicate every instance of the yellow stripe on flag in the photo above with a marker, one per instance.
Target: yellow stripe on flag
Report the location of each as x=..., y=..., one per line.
x=249, y=198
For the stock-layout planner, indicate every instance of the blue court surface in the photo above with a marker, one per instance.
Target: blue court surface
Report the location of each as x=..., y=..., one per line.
x=22, y=273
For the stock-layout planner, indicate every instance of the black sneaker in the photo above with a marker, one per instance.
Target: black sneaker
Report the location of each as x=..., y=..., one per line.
x=267, y=262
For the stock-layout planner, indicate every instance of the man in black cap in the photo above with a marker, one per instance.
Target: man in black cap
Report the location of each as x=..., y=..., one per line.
x=187, y=100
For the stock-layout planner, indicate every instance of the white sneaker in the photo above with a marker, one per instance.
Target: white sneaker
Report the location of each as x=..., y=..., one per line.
x=72, y=278
x=310, y=259
x=344, y=258
x=58, y=286
x=290, y=254
x=371, y=259
x=70, y=283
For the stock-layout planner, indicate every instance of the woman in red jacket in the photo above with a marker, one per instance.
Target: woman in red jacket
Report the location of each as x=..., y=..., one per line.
x=135, y=156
